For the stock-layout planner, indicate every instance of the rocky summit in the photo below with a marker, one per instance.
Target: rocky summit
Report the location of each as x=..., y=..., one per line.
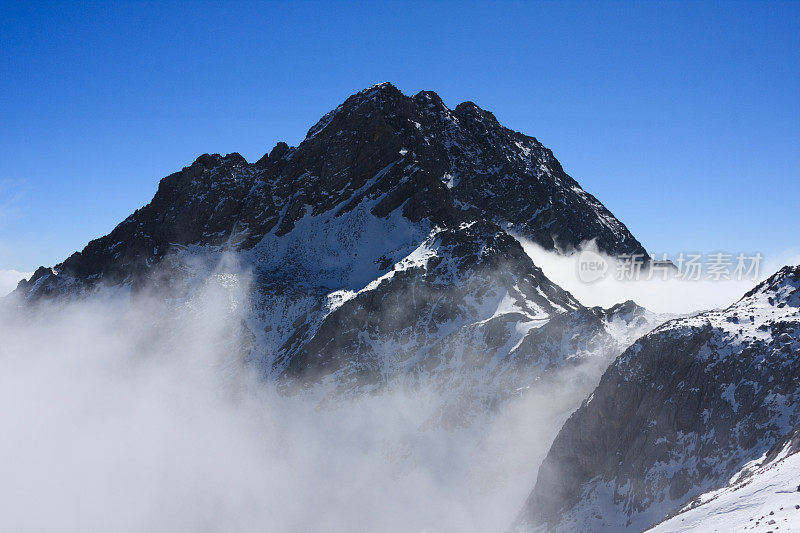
x=397, y=160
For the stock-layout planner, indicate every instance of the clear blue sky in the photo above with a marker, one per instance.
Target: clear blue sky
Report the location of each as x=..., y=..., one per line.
x=682, y=118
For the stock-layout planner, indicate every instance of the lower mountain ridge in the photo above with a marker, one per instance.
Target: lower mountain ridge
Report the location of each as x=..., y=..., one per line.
x=689, y=406
x=763, y=496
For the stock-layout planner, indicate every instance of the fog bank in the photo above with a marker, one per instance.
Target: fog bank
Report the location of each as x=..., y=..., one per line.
x=140, y=414
x=658, y=295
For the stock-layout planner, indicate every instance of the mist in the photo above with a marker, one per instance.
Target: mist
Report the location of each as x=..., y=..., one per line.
x=673, y=295
x=143, y=412
x=9, y=280
x=135, y=412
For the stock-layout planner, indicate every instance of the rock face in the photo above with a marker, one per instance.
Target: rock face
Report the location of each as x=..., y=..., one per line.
x=380, y=246
x=676, y=415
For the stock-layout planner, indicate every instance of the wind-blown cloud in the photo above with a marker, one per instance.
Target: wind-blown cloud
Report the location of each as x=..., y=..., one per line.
x=670, y=296
x=9, y=280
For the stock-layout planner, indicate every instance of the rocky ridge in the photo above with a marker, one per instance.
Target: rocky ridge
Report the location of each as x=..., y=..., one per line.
x=676, y=415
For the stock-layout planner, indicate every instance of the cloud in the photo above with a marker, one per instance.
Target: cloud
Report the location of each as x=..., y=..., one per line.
x=670, y=296
x=139, y=413
x=9, y=280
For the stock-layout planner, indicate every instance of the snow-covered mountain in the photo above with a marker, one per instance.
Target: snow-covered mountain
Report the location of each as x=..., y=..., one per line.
x=383, y=251
x=379, y=247
x=764, y=496
x=677, y=415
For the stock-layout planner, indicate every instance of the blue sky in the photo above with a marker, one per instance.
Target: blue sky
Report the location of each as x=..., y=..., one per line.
x=682, y=118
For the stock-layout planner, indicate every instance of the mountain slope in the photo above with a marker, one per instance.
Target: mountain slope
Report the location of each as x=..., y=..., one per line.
x=763, y=496
x=677, y=414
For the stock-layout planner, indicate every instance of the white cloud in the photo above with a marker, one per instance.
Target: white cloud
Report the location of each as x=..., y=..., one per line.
x=140, y=416
x=9, y=280
x=671, y=296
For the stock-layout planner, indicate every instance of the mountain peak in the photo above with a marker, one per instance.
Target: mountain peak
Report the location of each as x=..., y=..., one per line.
x=381, y=153
x=381, y=92
x=384, y=86
x=207, y=161
x=781, y=285
x=430, y=98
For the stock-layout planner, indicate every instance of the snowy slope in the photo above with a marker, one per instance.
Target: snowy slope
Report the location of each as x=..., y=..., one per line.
x=763, y=497
x=677, y=415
